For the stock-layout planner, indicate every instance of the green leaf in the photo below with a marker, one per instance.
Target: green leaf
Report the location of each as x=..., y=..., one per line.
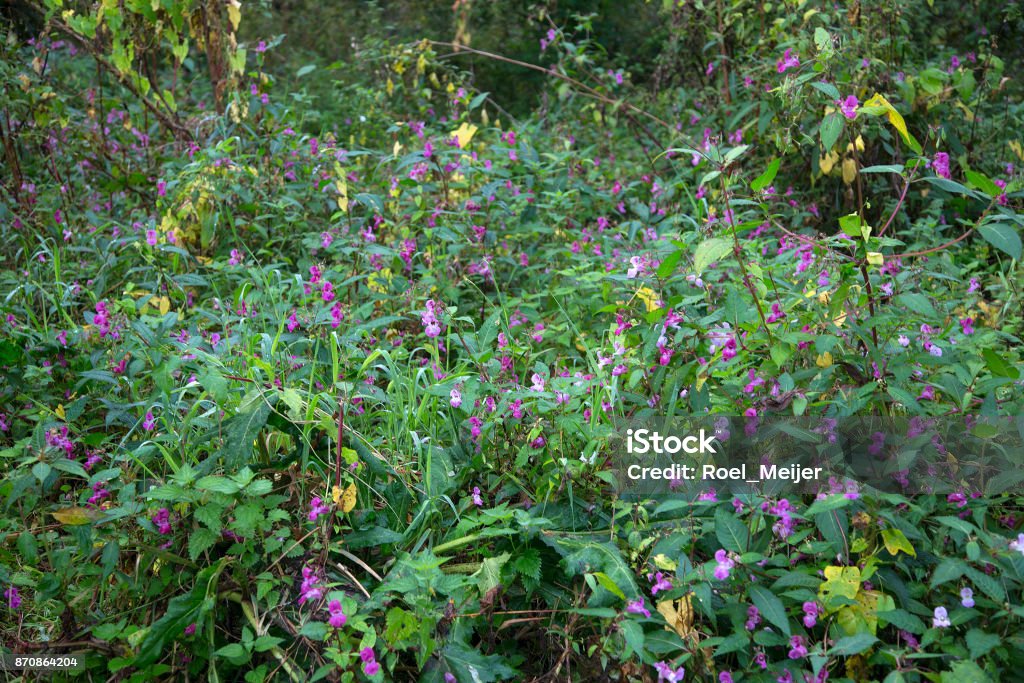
x=199, y=541
x=240, y=432
x=489, y=574
x=762, y=181
x=830, y=130
x=853, y=645
x=771, y=608
x=948, y=570
x=210, y=514
x=314, y=630
x=470, y=664
x=181, y=611
x=998, y=365
x=1003, y=237
x=918, y=303
x=904, y=620
x=980, y=643
x=731, y=532
x=884, y=168
x=710, y=251
x=983, y=183
x=588, y=556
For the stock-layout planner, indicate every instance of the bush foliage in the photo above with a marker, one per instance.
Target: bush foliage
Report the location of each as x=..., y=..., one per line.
x=310, y=368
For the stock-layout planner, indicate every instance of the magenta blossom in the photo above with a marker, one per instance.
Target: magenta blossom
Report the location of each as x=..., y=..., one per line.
x=941, y=165
x=849, y=106
x=788, y=61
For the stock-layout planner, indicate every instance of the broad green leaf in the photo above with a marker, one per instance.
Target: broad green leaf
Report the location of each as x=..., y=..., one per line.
x=764, y=180
x=711, y=251
x=771, y=608
x=830, y=130
x=895, y=541
x=731, y=532
x=1002, y=236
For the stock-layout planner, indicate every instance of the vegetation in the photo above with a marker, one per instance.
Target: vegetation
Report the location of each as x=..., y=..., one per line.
x=315, y=345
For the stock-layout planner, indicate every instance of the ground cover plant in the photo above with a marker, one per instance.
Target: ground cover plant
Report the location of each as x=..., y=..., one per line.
x=313, y=344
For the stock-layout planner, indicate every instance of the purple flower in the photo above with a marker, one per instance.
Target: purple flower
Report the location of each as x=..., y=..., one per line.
x=935, y=350
x=338, y=618
x=317, y=507
x=13, y=599
x=455, y=398
x=149, y=423
x=666, y=674
x=788, y=61
x=941, y=164
x=753, y=618
x=661, y=583
x=1018, y=545
x=309, y=590
x=725, y=677
x=638, y=607
x=724, y=566
x=967, y=597
x=849, y=106
x=941, y=618
x=477, y=498
x=810, y=614
x=798, y=648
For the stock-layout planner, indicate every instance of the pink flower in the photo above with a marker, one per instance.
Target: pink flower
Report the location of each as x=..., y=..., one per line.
x=798, y=649
x=477, y=498
x=455, y=398
x=940, y=618
x=190, y=629
x=788, y=61
x=13, y=599
x=941, y=165
x=666, y=674
x=724, y=566
x=849, y=106
x=661, y=583
x=638, y=607
x=810, y=614
x=317, y=507
x=310, y=590
x=338, y=618
x=149, y=423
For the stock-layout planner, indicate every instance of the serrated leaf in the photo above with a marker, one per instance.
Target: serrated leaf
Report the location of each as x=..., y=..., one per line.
x=771, y=608
x=980, y=643
x=730, y=531
x=199, y=541
x=210, y=514
x=489, y=574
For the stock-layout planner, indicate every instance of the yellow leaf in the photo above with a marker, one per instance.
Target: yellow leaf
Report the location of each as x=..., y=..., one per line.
x=875, y=258
x=396, y=150
x=59, y=412
x=464, y=134
x=341, y=185
x=346, y=500
x=665, y=563
x=75, y=516
x=840, y=582
x=895, y=119
x=849, y=171
x=390, y=87
x=649, y=297
x=896, y=541
x=1017, y=149
x=824, y=360
x=235, y=13
x=678, y=614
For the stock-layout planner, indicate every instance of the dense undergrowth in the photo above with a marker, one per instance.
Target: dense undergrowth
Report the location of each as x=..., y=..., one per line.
x=322, y=386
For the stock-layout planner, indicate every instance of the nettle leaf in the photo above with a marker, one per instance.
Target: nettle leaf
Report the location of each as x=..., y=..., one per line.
x=586, y=557
x=240, y=433
x=201, y=540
